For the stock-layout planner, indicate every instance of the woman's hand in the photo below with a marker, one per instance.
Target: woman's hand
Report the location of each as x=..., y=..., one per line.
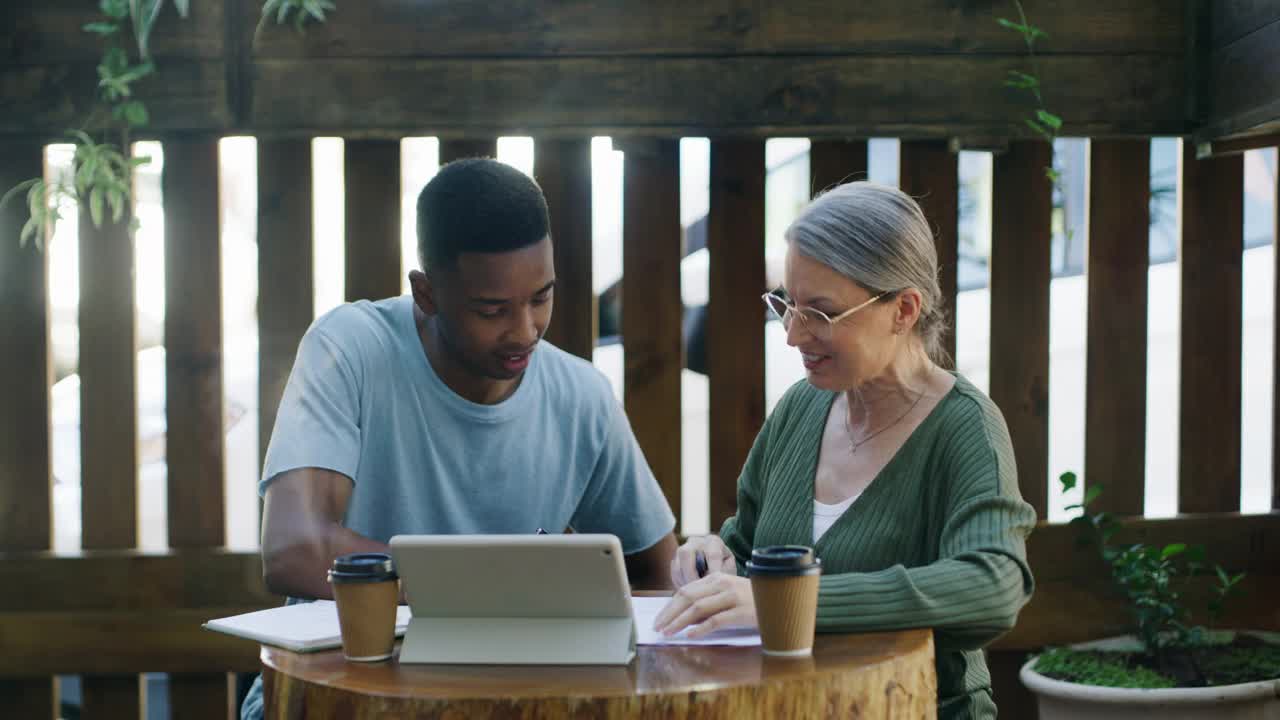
x=717, y=555
x=716, y=601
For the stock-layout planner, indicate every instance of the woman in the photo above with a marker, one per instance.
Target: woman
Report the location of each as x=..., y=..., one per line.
x=899, y=473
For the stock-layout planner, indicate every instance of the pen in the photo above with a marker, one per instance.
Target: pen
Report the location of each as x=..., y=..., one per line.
x=700, y=564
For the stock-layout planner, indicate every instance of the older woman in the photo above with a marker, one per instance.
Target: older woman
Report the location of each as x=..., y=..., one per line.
x=899, y=473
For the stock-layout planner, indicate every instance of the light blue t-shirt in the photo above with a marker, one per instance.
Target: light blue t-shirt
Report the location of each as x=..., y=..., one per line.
x=364, y=401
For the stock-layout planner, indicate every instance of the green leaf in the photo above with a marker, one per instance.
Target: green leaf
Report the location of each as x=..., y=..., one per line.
x=1067, y=480
x=1092, y=494
x=1172, y=550
x=183, y=6
x=1039, y=129
x=25, y=185
x=1015, y=26
x=135, y=113
x=95, y=206
x=101, y=28
x=144, y=13
x=1049, y=119
x=116, y=9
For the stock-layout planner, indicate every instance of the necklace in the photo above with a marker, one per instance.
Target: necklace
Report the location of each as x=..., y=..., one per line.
x=855, y=444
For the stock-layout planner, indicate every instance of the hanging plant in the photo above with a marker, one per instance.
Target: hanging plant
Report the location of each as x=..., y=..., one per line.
x=101, y=176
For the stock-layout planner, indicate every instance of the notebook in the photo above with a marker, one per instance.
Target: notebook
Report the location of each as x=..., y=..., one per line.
x=304, y=627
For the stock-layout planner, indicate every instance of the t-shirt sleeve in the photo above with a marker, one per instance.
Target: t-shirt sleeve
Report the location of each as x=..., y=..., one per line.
x=622, y=496
x=318, y=423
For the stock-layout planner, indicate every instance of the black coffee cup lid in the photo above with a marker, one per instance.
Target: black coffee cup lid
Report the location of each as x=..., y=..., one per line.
x=783, y=560
x=362, y=567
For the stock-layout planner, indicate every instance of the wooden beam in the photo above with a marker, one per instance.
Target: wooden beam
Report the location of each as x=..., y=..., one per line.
x=935, y=96
x=193, y=343
x=1210, y=253
x=735, y=315
x=834, y=162
x=1075, y=600
x=25, y=466
x=652, y=311
x=112, y=697
x=1275, y=341
x=46, y=643
x=37, y=32
x=108, y=398
x=25, y=375
x=1234, y=146
x=1020, y=243
x=372, y=182
x=537, y=28
x=285, y=257
x=189, y=94
x=563, y=169
x=930, y=173
x=131, y=581
x=1243, y=84
x=202, y=696
x=458, y=148
x=1116, y=364
x=1230, y=21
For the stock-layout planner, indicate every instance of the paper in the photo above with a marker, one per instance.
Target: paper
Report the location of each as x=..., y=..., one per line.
x=646, y=610
x=314, y=626
x=301, y=628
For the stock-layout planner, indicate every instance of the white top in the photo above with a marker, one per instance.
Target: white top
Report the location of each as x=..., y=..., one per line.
x=824, y=515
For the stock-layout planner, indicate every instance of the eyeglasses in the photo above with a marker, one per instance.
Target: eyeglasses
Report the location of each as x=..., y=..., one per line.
x=818, y=323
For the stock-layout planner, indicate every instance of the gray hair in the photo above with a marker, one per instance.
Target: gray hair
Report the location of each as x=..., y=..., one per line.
x=878, y=237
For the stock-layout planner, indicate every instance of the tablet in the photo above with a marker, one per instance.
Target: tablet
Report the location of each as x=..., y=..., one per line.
x=515, y=599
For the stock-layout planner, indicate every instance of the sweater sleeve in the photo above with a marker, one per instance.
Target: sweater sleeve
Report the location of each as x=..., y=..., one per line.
x=738, y=532
x=973, y=592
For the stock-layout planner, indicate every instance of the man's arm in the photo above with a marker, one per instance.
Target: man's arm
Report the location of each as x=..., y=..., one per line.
x=650, y=569
x=302, y=532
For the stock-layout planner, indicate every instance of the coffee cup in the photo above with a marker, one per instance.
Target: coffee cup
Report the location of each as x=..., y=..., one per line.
x=784, y=583
x=366, y=589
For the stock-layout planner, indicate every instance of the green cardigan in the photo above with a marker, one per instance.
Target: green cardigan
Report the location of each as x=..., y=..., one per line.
x=937, y=540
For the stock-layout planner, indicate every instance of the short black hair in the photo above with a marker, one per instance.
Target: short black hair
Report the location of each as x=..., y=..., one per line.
x=478, y=205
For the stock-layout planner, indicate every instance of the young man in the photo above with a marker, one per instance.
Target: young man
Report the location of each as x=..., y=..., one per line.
x=444, y=413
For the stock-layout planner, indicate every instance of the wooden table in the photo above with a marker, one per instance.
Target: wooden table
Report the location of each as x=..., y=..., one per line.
x=876, y=675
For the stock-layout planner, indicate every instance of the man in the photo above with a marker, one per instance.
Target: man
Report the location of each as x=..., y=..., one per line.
x=444, y=413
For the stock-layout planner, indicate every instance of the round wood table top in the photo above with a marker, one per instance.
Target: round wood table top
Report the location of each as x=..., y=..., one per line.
x=887, y=675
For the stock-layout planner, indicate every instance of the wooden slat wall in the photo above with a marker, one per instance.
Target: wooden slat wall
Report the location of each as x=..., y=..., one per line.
x=108, y=403
x=1020, y=244
x=193, y=343
x=458, y=148
x=1119, y=183
x=930, y=172
x=112, y=697
x=285, y=260
x=1275, y=391
x=1210, y=253
x=372, y=187
x=652, y=311
x=25, y=465
x=833, y=162
x=193, y=367
x=108, y=413
x=735, y=315
x=563, y=169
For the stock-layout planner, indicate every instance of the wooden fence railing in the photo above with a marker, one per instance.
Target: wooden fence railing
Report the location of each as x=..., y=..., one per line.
x=111, y=612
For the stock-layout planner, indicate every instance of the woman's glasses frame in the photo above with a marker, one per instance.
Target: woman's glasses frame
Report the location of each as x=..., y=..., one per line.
x=818, y=323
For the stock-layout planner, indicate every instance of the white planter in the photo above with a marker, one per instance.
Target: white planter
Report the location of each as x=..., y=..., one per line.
x=1059, y=700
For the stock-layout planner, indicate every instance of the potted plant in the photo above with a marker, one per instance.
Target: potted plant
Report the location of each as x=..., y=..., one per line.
x=1168, y=667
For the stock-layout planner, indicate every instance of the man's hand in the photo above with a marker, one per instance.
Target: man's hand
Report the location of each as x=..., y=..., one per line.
x=718, y=600
x=647, y=569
